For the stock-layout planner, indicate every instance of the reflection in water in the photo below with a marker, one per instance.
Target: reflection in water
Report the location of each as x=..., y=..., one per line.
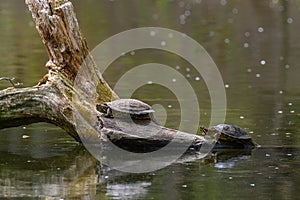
x=256, y=46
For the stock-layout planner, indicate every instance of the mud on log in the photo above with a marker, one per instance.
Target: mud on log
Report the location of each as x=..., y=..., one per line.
x=51, y=100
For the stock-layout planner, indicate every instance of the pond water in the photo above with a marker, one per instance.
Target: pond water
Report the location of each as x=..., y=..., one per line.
x=255, y=45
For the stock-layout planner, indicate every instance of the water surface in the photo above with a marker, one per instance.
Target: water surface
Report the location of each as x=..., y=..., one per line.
x=256, y=47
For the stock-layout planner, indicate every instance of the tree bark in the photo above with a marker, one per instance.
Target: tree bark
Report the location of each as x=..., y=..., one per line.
x=52, y=100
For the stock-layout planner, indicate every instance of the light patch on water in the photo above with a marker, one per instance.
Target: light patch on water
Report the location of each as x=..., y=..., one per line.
x=257, y=75
x=187, y=69
x=246, y=45
x=177, y=67
x=289, y=20
x=187, y=13
x=280, y=92
x=247, y=34
x=152, y=33
x=263, y=62
x=235, y=11
x=260, y=29
x=188, y=76
x=223, y=2
x=163, y=43
x=174, y=80
x=227, y=41
x=249, y=70
x=287, y=66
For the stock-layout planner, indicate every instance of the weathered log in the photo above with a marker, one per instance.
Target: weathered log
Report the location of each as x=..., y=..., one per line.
x=52, y=100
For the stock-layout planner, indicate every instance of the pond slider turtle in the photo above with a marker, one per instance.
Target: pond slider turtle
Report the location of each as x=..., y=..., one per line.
x=231, y=135
x=126, y=108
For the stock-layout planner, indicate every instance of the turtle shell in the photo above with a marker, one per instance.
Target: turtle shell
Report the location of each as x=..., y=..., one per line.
x=233, y=131
x=130, y=106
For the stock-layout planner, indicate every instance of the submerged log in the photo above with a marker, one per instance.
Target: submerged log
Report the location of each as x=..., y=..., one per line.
x=52, y=99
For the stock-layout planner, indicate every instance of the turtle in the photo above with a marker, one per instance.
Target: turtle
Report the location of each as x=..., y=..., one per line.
x=126, y=108
x=231, y=135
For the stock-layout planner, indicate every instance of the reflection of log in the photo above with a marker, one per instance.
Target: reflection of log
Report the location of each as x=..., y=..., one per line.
x=51, y=100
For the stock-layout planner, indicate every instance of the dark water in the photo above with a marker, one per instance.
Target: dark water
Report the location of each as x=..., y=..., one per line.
x=256, y=47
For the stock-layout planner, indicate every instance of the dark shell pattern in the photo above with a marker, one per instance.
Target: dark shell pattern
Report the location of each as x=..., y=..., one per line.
x=233, y=131
x=130, y=106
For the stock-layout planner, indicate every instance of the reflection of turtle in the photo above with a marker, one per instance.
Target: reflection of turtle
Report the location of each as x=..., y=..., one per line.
x=231, y=135
x=126, y=108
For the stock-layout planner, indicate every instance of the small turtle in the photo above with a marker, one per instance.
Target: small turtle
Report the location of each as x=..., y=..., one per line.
x=231, y=135
x=126, y=108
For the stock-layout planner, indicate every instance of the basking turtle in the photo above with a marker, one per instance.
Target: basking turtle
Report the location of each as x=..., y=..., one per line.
x=126, y=108
x=231, y=135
